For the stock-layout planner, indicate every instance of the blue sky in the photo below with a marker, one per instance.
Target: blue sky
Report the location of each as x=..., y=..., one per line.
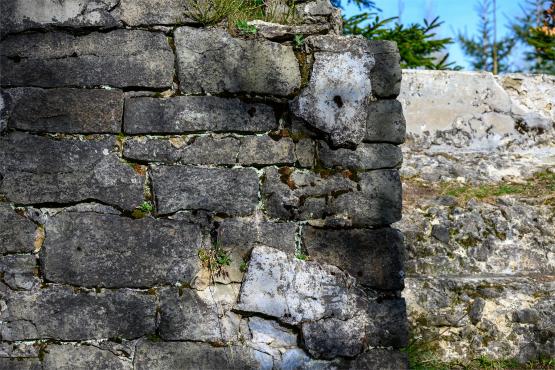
x=457, y=15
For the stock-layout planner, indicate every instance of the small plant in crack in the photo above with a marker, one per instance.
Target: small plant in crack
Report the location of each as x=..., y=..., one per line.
x=244, y=266
x=146, y=207
x=215, y=259
x=301, y=256
x=298, y=41
x=245, y=28
x=142, y=210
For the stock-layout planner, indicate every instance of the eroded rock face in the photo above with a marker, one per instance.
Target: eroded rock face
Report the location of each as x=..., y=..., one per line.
x=214, y=62
x=17, y=234
x=336, y=98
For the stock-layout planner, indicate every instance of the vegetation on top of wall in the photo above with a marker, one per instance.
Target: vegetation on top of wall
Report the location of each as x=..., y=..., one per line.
x=238, y=12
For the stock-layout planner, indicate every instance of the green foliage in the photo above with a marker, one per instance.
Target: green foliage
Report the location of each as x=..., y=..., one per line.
x=535, y=30
x=418, y=43
x=213, y=11
x=244, y=266
x=298, y=41
x=245, y=28
x=301, y=256
x=214, y=259
x=146, y=207
x=485, y=54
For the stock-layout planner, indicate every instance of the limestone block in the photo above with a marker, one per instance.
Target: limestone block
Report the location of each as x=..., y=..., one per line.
x=211, y=61
x=63, y=314
x=44, y=170
x=17, y=233
x=336, y=98
x=153, y=12
x=263, y=150
x=374, y=257
x=221, y=190
x=120, y=58
x=21, y=15
x=68, y=356
x=19, y=271
x=386, y=122
x=364, y=157
x=64, y=110
x=100, y=250
x=185, y=114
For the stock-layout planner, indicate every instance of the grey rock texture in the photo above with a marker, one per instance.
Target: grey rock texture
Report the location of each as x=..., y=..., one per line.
x=186, y=114
x=373, y=200
x=364, y=157
x=17, y=233
x=83, y=357
x=21, y=15
x=62, y=314
x=135, y=58
x=214, y=62
x=19, y=272
x=336, y=98
x=386, y=122
x=42, y=170
x=228, y=191
x=157, y=12
x=64, y=110
x=361, y=252
x=94, y=250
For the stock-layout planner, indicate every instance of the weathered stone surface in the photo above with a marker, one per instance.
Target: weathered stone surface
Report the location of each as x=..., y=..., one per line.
x=20, y=15
x=336, y=98
x=305, y=151
x=211, y=61
x=42, y=170
x=220, y=190
x=17, y=233
x=382, y=359
x=149, y=12
x=296, y=291
x=63, y=314
x=185, y=150
x=185, y=114
x=199, y=315
x=133, y=58
x=374, y=257
x=84, y=357
x=64, y=110
x=19, y=272
x=280, y=32
x=386, y=122
x=364, y=157
x=378, y=202
x=304, y=195
x=20, y=364
x=192, y=356
x=96, y=250
x=263, y=150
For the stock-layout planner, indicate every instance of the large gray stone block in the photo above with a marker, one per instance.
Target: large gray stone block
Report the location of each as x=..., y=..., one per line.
x=100, y=250
x=188, y=114
x=364, y=157
x=374, y=257
x=219, y=190
x=336, y=98
x=336, y=199
x=21, y=15
x=193, y=356
x=121, y=58
x=39, y=170
x=153, y=12
x=19, y=272
x=211, y=61
x=82, y=357
x=263, y=150
x=199, y=315
x=64, y=110
x=386, y=122
x=17, y=233
x=64, y=314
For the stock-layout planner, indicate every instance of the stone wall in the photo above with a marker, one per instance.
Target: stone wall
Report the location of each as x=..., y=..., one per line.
x=481, y=256
x=178, y=197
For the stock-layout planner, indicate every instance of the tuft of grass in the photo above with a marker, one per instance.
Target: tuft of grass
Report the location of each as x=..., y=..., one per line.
x=245, y=28
x=146, y=207
x=301, y=256
x=212, y=12
x=215, y=259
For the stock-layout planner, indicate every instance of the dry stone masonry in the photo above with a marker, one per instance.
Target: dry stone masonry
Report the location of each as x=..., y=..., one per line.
x=175, y=196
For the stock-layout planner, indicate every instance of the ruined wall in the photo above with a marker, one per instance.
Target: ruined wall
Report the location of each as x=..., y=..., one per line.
x=479, y=215
x=177, y=197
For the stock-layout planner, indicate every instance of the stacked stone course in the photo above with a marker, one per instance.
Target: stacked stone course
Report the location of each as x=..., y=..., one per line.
x=248, y=144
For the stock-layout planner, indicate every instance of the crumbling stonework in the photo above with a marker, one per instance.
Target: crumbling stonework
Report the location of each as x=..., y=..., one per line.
x=174, y=196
